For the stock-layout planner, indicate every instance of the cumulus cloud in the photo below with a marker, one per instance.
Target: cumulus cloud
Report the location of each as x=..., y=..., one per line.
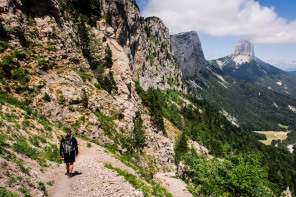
x=224, y=17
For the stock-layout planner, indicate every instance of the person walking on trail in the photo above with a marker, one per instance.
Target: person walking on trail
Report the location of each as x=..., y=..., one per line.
x=69, y=151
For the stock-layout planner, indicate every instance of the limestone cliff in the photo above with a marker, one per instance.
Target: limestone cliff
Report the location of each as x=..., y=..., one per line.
x=188, y=52
x=63, y=51
x=147, y=45
x=244, y=47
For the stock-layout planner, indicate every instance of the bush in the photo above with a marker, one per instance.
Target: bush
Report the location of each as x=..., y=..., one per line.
x=46, y=97
x=4, y=34
x=84, y=76
x=42, y=64
x=3, y=45
x=108, y=57
x=109, y=17
x=84, y=39
x=20, y=74
x=138, y=134
x=239, y=175
x=7, y=65
x=23, y=147
x=154, y=101
x=108, y=83
x=5, y=193
x=84, y=98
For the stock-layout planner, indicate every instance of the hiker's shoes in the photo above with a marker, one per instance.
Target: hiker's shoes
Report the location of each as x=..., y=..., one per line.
x=67, y=173
x=70, y=175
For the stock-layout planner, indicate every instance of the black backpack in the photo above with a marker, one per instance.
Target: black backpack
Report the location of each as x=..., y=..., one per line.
x=68, y=145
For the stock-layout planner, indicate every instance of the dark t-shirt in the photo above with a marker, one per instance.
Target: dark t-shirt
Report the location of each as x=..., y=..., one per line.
x=74, y=144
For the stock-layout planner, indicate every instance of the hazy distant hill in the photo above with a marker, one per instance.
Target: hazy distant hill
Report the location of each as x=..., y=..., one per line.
x=293, y=72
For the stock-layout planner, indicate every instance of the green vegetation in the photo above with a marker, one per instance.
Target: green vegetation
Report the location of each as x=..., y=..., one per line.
x=283, y=126
x=109, y=17
x=108, y=57
x=253, y=106
x=108, y=83
x=202, y=123
x=154, y=189
x=138, y=134
x=46, y=97
x=85, y=77
x=88, y=145
x=236, y=174
x=5, y=193
x=153, y=100
x=6, y=98
x=4, y=37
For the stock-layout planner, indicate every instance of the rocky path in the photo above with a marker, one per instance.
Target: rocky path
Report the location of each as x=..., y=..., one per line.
x=92, y=177
x=173, y=185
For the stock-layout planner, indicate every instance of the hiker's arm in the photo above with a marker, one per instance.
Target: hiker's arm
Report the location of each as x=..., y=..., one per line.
x=76, y=146
x=61, y=149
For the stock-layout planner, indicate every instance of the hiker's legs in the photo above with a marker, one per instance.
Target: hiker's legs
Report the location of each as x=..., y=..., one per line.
x=71, y=165
x=67, y=166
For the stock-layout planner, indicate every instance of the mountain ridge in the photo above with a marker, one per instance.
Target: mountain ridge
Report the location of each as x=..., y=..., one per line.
x=100, y=69
x=244, y=65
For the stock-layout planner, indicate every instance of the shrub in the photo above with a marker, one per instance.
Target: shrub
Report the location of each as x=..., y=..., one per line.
x=3, y=45
x=84, y=76
x=108, y=83
x=7, y=65
x=5, y=193
x=83, y=34
x=138, y=134
x=4, y=34
x=23, y=147
x=109, y=17
x=84, y=98
x=154, y=101
x=108, y=57
x=42, y=64
x=62, y=99
x=20, y=74
x=46, y=97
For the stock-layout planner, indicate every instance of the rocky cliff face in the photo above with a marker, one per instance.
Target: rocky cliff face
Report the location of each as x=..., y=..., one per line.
x=244, y=47
x=62, y=52
x=188, y=52
x=147, y=45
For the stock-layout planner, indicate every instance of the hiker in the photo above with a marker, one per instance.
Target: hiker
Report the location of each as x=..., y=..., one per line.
x=69, y=151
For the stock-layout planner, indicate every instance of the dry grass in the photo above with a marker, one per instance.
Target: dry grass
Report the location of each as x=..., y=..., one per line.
x=273, y=135
x=171, y=130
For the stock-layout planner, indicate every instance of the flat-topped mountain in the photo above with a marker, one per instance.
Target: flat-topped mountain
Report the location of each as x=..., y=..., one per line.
x=244, y=65
x=244, y=47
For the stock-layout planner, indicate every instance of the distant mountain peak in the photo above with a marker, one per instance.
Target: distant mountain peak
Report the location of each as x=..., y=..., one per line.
x=245, y=48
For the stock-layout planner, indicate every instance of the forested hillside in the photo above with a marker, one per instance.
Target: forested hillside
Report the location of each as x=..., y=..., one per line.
x=254, y=107
x=100, y=69
x=262, y=166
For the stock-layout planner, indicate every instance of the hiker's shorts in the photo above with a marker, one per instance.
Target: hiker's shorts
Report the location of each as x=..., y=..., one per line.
x=69, y=158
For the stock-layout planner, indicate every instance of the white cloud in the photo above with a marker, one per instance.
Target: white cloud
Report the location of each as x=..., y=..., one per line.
x=283, y=64
x=224, y=17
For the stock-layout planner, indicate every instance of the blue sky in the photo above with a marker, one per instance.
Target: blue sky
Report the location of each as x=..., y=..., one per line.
x=270, y=24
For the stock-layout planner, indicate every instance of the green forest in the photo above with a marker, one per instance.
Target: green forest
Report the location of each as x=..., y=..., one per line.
x=256, y=108
x=246, y=166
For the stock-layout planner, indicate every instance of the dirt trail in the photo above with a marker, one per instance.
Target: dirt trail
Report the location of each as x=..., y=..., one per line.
x=173, y=185
x=92, y=177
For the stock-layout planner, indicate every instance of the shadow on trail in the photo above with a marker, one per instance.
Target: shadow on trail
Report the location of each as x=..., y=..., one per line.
x=75, y=173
